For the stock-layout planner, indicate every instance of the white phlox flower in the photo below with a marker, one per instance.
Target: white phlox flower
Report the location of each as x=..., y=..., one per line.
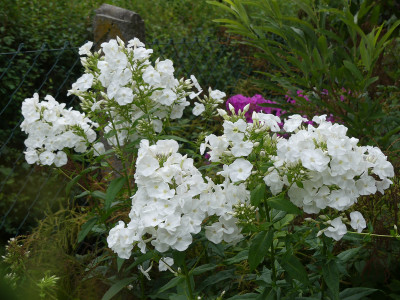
x=293, y=123
x=172, y=201
x=85, y=49
x=131, y=86
x=165, y=264
x=51, y=128
x=146, y=272
x=357, y=221
x=239, y=170
x=336, y=170
x=337, y=229
x=198, y=109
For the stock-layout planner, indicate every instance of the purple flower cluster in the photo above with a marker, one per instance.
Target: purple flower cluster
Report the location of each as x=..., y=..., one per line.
x=240, y=101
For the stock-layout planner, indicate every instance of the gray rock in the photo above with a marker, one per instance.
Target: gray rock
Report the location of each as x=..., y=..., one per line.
x=112, y=21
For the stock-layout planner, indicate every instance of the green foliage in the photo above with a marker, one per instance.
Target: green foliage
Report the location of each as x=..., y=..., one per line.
x=259, y=247
x=38, y=21
x=323, y=49
x=53, y=72
x=283, y=258
x=21, y=202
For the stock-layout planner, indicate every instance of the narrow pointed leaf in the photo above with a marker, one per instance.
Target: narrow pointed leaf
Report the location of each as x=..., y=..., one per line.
x=292, y=265
x=257, y=195
x=86, y=229
x=259, y=248
x=356, y=293
x=330, y=274
x=116, y=287
x=172, y=283
x=113, y=190
x=280, y=202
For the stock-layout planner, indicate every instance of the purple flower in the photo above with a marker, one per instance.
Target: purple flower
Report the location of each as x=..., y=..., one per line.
x=240, y=101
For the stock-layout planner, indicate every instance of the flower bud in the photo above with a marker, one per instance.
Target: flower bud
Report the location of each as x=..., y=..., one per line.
x=120, y=42
x=246, y=108
x=222, y=113
x=232, y=109
x=255, y=116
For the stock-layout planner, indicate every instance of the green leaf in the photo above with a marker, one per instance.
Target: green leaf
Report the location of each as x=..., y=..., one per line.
x=120, y=262
x=116, y=287
x=365, y=56
x=83, y=194
x=98, y=194
x=250, y=296
x=356, y=293
x=176, y=297
x=387, y=136
x=257, y=194
x=370, y=81
x=242, y=255
x=292, y=265
x=383, y=40
x=331, y=277
x=259, y=248
x=353, y=69
x=176, y=138
x=76, y=179
x=268, y=294
x=172, y=283
x=112, y=191
x=202, y=269
x=317, y=60
x=218, y=277
x=179, y=258
x=280, y=202
x=323, y=46
x=346, y=255
x=142, y=258
x=109, y=134
x=224, y=7
x=86, y=229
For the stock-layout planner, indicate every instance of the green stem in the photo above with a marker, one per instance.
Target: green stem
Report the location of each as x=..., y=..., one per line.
x=70, y=178
x=121, y=153
x=323, y=284
x=188, y=283
x=142, y=296
x=372, y=234
x=273, y=269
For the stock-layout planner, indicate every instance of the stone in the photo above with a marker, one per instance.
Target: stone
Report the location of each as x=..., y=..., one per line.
x=112, y=21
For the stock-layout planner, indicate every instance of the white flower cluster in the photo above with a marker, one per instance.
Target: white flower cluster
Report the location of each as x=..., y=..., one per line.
x=337, y=171
x=238, y=142
x=51, y=128
x=131, y=88
x=320, y=166
x=338, y=229
x=172, y=202
x=208, y=104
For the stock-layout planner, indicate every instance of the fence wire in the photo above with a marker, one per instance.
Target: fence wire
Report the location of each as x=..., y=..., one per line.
x=26, y=191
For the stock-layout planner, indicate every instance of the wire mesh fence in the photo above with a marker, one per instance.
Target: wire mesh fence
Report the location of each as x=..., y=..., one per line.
x=25, y=190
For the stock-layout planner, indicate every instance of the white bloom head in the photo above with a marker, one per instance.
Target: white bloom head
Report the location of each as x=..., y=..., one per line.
x=357, y=221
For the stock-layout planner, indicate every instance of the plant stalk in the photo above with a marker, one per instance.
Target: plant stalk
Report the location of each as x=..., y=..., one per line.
x=188, y=283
